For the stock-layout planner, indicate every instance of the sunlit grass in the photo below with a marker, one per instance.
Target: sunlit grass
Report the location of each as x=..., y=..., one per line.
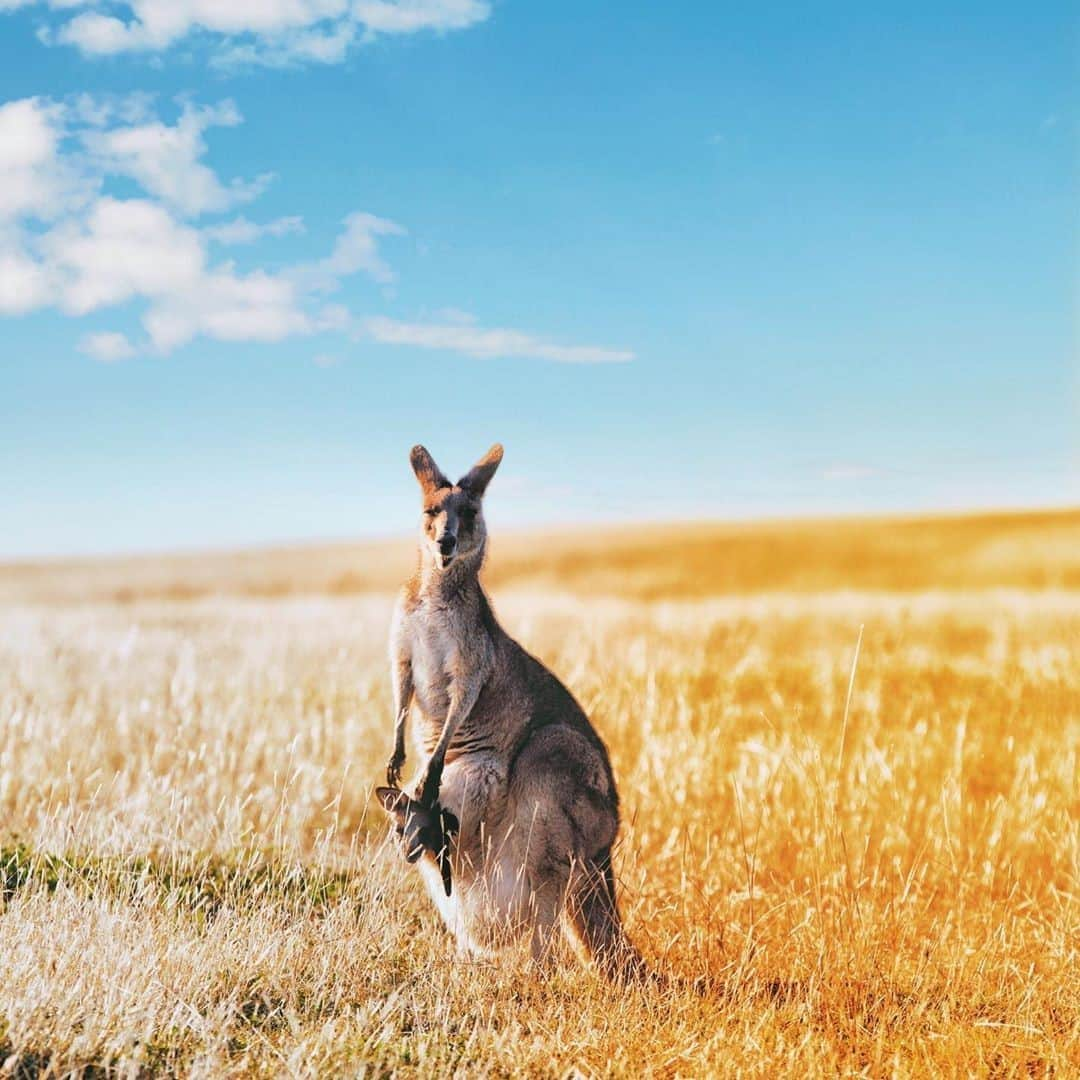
x=194, y=879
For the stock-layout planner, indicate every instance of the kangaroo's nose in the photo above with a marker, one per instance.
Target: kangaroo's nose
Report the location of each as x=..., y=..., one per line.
x=447, y=543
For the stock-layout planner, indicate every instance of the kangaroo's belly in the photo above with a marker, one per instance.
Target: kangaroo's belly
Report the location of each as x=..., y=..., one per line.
x=476, y=790
x=487, y=910
x=489, y=906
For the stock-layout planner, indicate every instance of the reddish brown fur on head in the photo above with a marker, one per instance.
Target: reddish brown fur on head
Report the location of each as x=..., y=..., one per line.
x=427, y=472
x=453, y=522
x=476, y=480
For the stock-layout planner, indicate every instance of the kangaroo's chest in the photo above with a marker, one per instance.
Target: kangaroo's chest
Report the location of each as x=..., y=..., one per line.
x=447, y=647
x=436, y=658
x=448, y=651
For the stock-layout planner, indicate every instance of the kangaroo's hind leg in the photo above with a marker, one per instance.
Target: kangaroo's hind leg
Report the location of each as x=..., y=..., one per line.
x=546, y=902
x=594, y=919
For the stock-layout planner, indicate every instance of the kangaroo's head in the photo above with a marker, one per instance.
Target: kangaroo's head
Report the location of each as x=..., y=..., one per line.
x=452, y=526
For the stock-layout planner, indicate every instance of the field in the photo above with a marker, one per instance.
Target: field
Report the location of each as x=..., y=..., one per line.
x=848, y=752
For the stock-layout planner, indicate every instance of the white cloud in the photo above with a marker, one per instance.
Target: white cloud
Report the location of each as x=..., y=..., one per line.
x=242, y=231
x=24, y=284
x=317, y=46
x=122, y=249
x=98, y=110
x=34, y=181
x=486, y=344
x=228, y=307
x=27, y=133
x=66, y=244
x=356, y=250
x=128, y=249
x=70, y=242
x=157, y=24
x=108, y=347
x=252, y=31
x=97, y=34
x=164, y=159
x=409, y=16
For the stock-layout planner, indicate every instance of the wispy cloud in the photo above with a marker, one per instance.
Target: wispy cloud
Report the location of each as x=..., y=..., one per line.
x=356, y=250
x=472, y=340
x=272, y=32
x=108, y=347
x=241, y=231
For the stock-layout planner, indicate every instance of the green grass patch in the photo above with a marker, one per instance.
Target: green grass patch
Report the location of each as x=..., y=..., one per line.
x=198, y=882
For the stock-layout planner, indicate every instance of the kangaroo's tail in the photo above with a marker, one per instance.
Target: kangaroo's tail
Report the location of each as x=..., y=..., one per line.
x=594, y=915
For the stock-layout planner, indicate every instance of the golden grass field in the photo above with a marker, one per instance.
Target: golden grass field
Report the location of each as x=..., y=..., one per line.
x=879, y=874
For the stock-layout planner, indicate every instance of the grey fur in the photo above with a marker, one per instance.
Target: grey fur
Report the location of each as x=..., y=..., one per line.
x=509, y=754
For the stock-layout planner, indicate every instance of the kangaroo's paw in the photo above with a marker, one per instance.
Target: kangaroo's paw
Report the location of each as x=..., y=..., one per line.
x=393, y=771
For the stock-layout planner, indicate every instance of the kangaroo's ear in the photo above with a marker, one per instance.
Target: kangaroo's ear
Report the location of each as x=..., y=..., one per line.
x=427, y=472
x=476, y=480
x=393, y=801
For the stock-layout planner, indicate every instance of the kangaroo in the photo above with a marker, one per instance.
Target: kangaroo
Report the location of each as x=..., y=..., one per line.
x=513, y=818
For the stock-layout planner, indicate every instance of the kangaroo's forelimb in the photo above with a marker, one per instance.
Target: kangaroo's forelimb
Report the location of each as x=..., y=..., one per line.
x=463, y=697
x=403, y=695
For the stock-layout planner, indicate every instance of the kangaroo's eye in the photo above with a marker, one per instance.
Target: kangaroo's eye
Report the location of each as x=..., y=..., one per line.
x=468, y=516
x=431, y=511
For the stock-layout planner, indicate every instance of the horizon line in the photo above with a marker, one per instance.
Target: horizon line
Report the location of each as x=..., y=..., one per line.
x=547, y=529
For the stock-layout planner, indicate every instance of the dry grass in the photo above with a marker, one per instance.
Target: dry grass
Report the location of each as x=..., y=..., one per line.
x=193, y=878
x=640, y=562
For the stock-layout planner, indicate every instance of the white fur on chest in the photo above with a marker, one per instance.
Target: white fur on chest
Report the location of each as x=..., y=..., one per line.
x=436, y=651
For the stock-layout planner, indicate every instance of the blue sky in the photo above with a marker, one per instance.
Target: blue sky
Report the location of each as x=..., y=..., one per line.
x=683, y=263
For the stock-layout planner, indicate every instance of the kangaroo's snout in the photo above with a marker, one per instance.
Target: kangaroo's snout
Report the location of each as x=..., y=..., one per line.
x=447, y=544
